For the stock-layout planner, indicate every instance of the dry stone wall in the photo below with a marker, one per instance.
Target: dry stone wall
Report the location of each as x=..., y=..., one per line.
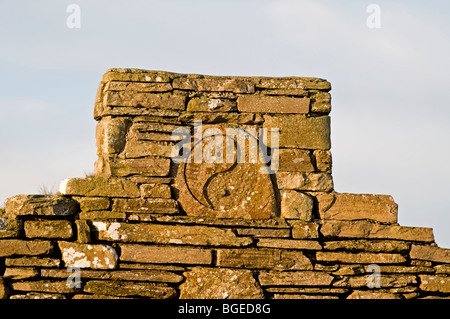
x=169, y=215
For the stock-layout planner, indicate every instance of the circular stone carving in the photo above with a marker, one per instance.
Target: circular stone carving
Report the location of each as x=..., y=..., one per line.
x=226, y=190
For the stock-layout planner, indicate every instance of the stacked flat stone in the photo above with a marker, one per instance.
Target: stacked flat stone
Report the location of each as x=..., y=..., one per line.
x=145, y=226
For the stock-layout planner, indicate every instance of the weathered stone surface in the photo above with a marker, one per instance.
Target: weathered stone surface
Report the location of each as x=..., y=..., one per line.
x=222, y=117
x=110, y=134
x=286, y=92
x=146, y=205
x=98, y=186
x=360, y=258
x=299, y=131
x=134, y=111
x=44, y=286
x=220, y=283
x=88, y=256
x=294, y=160
x=155, y=190
x=442, y=269
x=136, y=148
x=151, y=275
x=165, y=255
x=293, y=83
x=296, y=205
x=272, y=104
x=38, y=295
x=52, y=205
x=205, y=104
x=385, y=280
x=345, y=206
x=214, y=84
x=323, y=160
x=130, y=288
x=364, y=294
x=138, y=86
x=321, y=102
x=305, y=230
x=288, y=244
x=320, y=182
x=228, y=188
x=435, y=283
x=365, y=229
x=103, y=214
x=368, y=245
x=307, y=290
x=10, y=228
x=263, y=259
x=88, y=204
x=83, y=231
x=149, y=166
x=32, y=262
x=295, y=278
x=137, y=75
x=263, y=232
x=48, y=229
x=11, y=247
x=168, y=234
x=403, y=269
x=436, y=254
x=147, y=100
x=232, y=222
x=20, y=273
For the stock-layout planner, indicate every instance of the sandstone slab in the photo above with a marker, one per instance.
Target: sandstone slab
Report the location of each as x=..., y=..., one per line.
x=130, y=288
x=435, y=283
x=147, y=166
x=11, y=247
x=147, y=100
x=294, y=160
x=360, y=258
x=295, y=278
x=304, y=230
x=318, y=182
x=368, y=245
x=263, y=259
x=88, y=256
x=168, y=234
x=48, y=229
x=214, y=84
x=156, y=190
x=345, y=206
x=364, y=294
x=49, y=286
x=205, y=104
x=296, y=205
x=366, y=229
x=43, y=205
x=435, y=254
x=88, y=204
x=220, y=283
x=272, y=104
x=299, y=131
x=165, y=255
x=289, y=244
x=99, y=187
x=146, y=205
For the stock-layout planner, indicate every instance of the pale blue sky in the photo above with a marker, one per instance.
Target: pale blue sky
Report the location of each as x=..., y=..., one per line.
x=390, y=111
